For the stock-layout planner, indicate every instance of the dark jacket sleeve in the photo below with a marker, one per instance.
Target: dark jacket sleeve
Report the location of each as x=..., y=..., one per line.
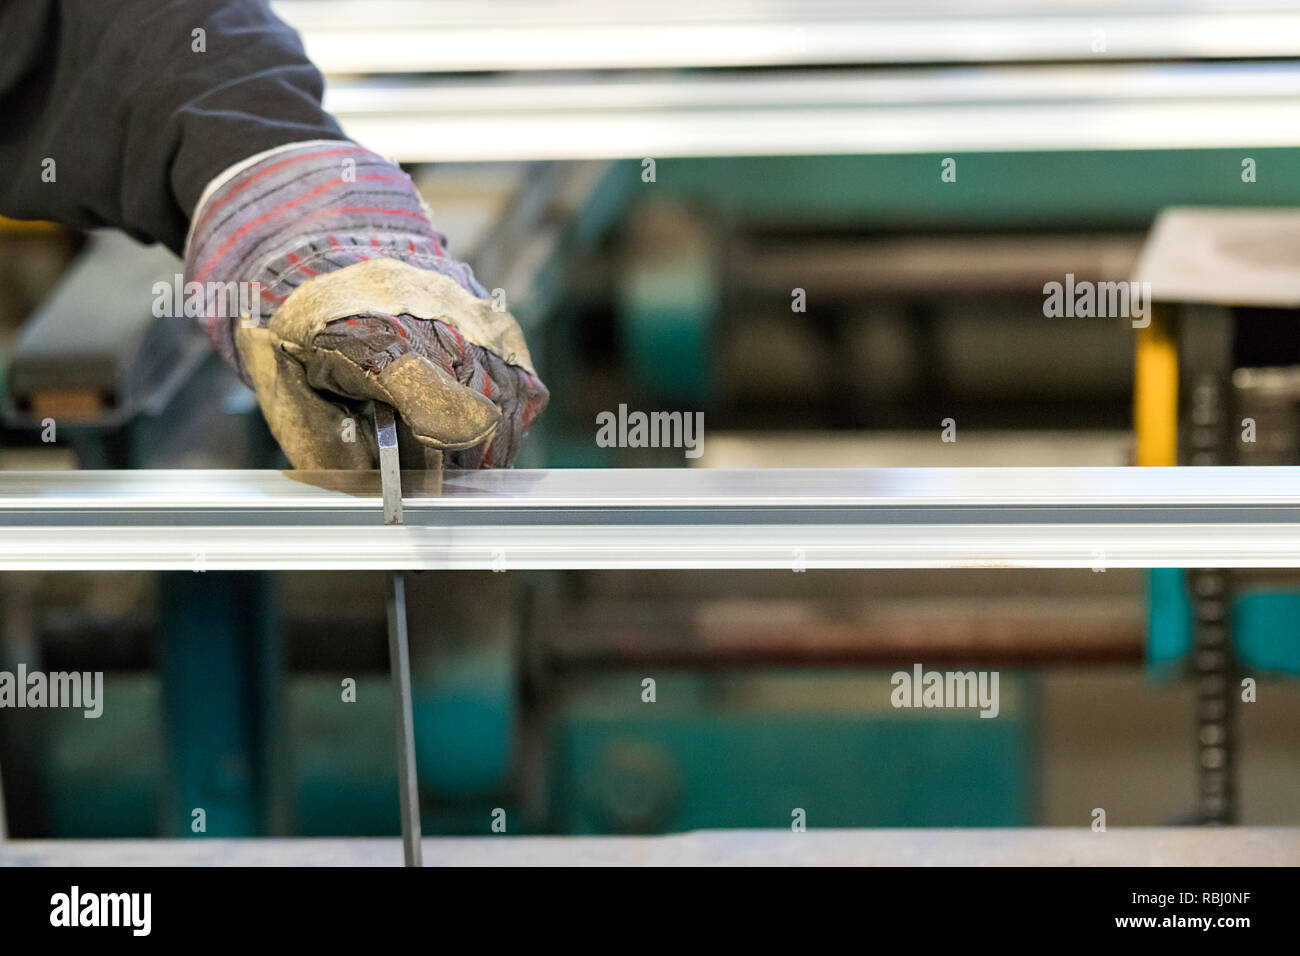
x=136, y=118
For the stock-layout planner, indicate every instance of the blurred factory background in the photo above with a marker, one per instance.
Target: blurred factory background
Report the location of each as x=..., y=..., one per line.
x=795, y=146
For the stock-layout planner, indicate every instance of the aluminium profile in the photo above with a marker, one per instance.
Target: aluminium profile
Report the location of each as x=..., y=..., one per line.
x=797, y=519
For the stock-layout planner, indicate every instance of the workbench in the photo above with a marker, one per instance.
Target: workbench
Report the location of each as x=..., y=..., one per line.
x=800, y=519
x=1173, y=846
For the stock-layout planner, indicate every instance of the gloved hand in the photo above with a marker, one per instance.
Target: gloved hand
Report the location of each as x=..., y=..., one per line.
x=356, y=299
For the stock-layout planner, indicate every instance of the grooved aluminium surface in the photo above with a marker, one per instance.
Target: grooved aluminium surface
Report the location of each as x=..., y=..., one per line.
x=800, y=519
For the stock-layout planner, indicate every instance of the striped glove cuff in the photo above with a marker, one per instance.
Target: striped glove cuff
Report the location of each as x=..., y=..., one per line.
x=279, y=218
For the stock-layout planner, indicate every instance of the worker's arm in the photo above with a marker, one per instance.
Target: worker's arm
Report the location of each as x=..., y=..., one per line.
x=202, y=118
x=117, y=113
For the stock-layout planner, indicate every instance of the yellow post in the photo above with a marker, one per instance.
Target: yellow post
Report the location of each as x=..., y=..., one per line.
x=27, y=225
x=1155, y=390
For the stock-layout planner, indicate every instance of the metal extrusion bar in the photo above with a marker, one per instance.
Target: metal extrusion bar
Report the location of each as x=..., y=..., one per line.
x=389, y=467
x=406, y=36
x=1092, y=106
x=656, y=518
x=399, y=658
x=399, y=653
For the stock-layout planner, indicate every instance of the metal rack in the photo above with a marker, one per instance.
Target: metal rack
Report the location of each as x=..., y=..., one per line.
x=392, y=36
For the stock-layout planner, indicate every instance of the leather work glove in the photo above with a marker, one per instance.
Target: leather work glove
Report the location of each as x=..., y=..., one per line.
x=346, y=294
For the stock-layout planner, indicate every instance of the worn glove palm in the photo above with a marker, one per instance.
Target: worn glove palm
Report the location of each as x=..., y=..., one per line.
x=364, y=304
